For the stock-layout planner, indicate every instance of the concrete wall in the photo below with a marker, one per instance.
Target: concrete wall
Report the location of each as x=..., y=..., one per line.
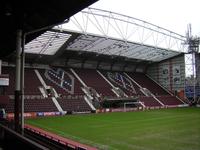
x=197, y=59
x=169, y=73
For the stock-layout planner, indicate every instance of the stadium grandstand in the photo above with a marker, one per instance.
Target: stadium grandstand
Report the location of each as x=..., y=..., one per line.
x=87, y=61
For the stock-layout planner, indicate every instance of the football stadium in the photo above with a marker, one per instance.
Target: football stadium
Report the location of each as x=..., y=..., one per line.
x=82, y=78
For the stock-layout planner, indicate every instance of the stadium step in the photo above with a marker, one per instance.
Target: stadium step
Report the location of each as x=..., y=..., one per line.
x=80, y=80
x=105, y=78
x=108, y=83
x=158, y=100
x=84, y=85
x=57, y=104
x=89, y=103
x=40, y=78
x=159, y=85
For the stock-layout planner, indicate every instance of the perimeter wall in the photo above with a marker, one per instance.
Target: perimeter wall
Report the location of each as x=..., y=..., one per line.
x=169, y=73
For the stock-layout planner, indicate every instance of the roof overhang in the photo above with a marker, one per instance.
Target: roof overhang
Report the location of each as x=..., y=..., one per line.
x=116, y=47
x=33, y=15
x=56, y=41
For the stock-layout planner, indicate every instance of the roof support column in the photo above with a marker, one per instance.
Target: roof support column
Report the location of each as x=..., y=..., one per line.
x=22, y=84
x=17, y=81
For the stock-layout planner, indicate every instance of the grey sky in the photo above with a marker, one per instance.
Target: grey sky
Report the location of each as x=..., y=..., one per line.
x=174, y=15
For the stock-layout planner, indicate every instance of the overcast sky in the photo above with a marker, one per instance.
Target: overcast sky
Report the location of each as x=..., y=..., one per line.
x=174, y=15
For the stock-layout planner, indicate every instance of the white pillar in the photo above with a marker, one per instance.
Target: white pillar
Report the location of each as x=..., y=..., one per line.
x=22, y=85
x=18, y=61
x=17, y=80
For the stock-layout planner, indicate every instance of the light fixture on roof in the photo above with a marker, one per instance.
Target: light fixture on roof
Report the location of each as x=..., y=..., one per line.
x=57, y=36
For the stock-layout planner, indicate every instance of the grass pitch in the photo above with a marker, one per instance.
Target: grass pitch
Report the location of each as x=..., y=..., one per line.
x=165, y=129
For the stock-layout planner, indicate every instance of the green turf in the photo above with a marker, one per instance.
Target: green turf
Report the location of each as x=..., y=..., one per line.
x=166, y=129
